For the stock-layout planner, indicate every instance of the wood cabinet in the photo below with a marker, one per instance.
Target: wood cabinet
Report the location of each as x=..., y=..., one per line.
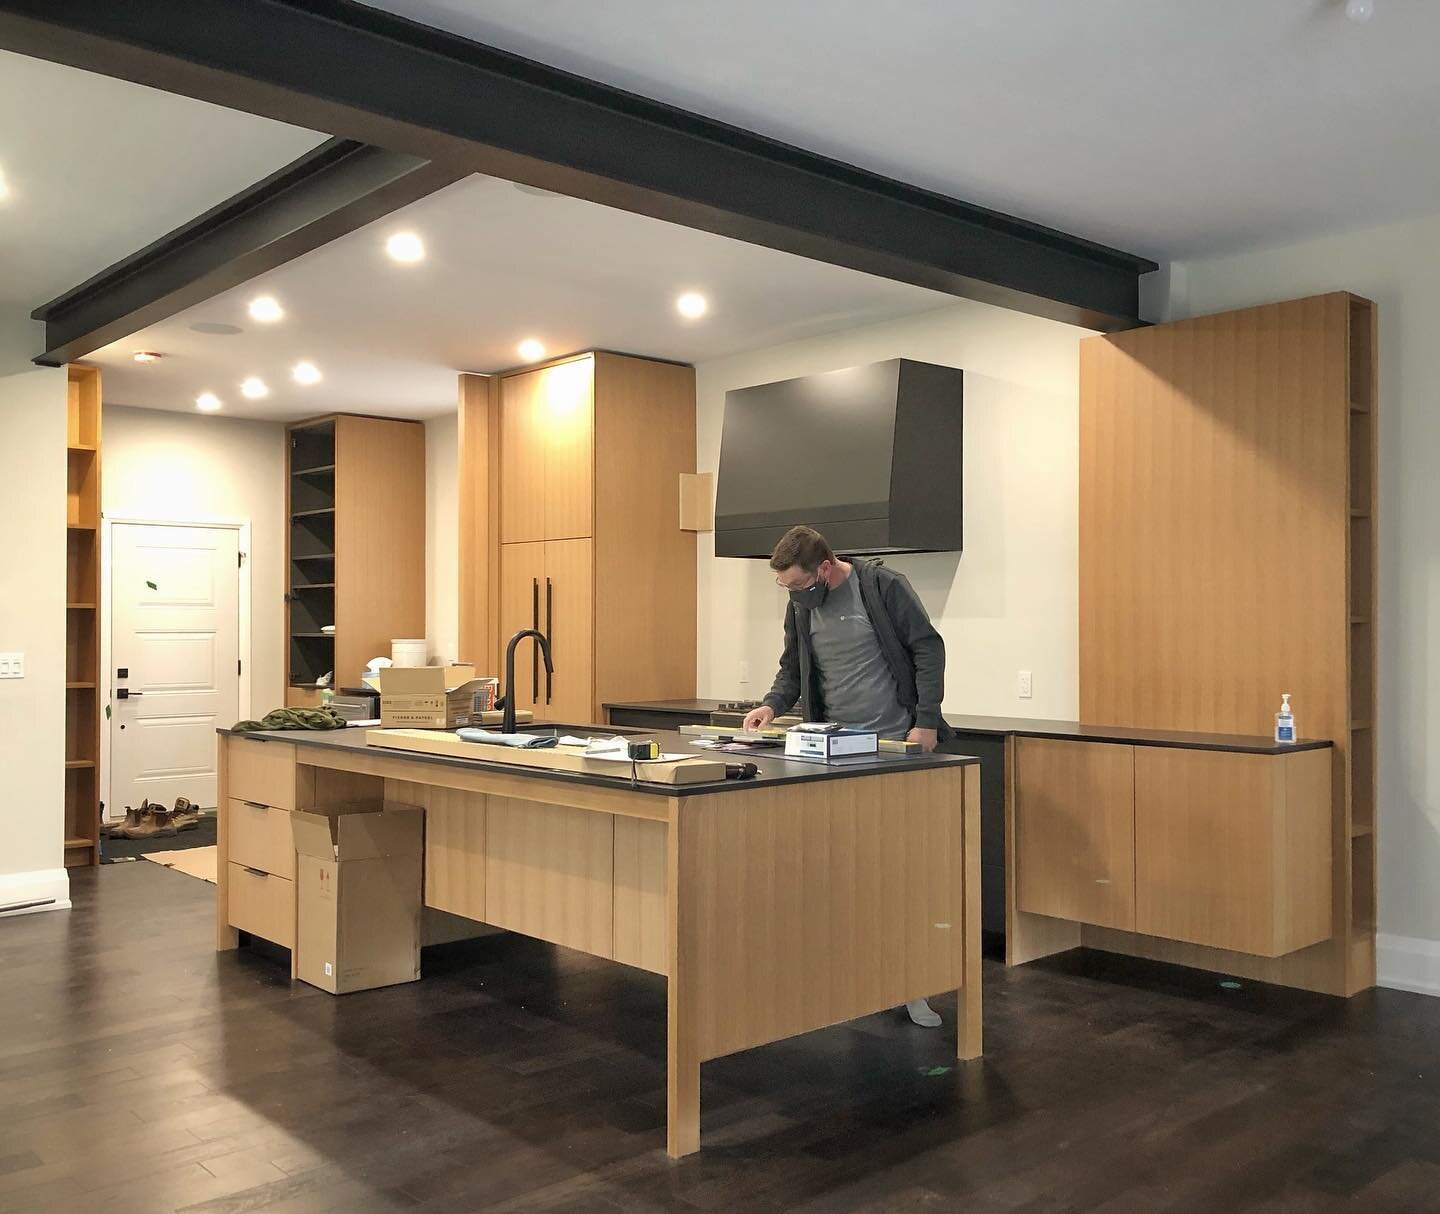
x=1233, y=850
x=1075, y=831
x=583, y=460
x=356, y=546
x=548, y=586
x=547, y=453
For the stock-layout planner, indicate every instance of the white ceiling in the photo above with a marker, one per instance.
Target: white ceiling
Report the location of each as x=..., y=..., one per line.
x=98, y=168
x=502, y=265
x=1170, y=128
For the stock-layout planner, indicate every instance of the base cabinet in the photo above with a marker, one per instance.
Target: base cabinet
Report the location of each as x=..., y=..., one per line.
x=1233, y=850
x=1075, y=831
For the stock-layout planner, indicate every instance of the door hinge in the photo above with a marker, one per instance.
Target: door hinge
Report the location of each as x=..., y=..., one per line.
x=241, y=560
x=237, y=665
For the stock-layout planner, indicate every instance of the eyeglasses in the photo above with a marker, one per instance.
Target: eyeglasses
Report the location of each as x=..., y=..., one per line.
x=815, y=581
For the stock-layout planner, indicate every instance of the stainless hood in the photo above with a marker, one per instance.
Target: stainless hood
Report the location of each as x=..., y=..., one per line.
x=869, y=456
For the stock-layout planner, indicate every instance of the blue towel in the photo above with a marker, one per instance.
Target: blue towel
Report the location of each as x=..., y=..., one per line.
x=521, y=741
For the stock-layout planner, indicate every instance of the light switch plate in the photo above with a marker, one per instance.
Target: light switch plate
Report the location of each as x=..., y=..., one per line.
x=12, y=665
x=1024, y=686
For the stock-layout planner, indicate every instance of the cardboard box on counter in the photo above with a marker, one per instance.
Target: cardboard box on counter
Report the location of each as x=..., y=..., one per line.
x=433, y=697
x=357, y=895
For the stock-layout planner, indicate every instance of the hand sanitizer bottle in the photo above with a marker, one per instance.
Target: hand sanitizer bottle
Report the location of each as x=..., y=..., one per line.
x=1285, y=721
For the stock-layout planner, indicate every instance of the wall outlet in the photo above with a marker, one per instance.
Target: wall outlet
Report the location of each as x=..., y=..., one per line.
x=744, y=670
x=1023, y=686
x=12, y=665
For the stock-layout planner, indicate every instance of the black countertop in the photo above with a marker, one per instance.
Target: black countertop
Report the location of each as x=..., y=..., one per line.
x=1025, y=727
x=773, y=770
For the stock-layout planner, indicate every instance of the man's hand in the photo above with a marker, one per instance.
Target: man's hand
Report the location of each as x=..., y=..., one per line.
x=928, y=738
x=758, y=718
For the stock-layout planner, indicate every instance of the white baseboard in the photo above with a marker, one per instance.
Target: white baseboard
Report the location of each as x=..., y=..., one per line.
x=43, y=890
x=1408, y=963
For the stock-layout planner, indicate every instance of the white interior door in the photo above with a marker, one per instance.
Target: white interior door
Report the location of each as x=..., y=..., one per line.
x=174, y=653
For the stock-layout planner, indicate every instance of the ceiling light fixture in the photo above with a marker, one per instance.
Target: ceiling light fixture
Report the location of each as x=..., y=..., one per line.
x=1360, y=11
x=405, y=246
x=266, y=308
x=207, y=402
x=531, y=350
x=146, y=356
x=305, y=373
x=692, y=305
x=253, y=388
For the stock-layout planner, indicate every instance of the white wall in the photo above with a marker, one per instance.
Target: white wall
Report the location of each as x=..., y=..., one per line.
x=195, y=467
x=32, y=621
x=442, y=538
x=1398, y=266
x=1010, y=602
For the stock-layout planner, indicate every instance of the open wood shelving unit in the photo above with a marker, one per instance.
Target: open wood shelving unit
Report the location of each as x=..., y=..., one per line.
x=82, y=618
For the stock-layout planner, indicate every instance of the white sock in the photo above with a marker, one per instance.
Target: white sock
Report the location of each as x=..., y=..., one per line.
x=923, y=1014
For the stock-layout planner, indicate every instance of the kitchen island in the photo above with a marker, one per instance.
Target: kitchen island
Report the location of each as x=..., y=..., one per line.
x=807, y=896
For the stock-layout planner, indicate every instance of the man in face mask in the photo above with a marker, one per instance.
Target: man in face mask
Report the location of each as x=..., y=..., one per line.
x=859, y=650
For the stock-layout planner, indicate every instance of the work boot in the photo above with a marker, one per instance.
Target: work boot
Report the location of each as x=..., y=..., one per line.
x=133, y=817
x=156, y=821
x=186, y=814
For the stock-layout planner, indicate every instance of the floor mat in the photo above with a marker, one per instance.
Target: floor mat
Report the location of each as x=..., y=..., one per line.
x=204, y=835
x=192, y=861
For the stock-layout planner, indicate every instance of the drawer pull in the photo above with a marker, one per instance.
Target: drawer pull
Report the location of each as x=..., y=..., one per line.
x=254, y=804
x=257, y=872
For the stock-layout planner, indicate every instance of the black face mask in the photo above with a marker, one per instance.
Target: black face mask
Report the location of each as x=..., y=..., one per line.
x=812, y=596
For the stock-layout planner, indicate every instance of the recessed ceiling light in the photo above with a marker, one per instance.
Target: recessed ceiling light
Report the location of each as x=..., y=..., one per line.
x=531, y=350
x=146, y=356
x=215, y=329
x=207, y=402
x=266, y=308
x=405, y=246
x=1360, y=11
x=305, y=373
x=253, y=388
x=692, y=305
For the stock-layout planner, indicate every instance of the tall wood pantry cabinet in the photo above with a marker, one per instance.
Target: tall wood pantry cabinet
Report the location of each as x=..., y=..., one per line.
x=588, y=454
x=355, y=556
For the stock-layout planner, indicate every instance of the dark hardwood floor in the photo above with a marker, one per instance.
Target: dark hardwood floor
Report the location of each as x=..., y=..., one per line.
x=140, y=1072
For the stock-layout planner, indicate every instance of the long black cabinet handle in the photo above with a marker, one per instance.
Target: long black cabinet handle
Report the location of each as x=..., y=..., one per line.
x=535, y=649
x=549, y=636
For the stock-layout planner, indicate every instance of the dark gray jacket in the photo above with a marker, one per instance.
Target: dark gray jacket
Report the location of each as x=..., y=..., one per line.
x=913, y=650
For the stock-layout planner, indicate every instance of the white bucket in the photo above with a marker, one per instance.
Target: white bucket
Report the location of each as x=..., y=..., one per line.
x=408, y=651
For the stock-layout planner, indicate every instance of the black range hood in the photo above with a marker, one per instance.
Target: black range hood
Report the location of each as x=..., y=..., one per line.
x=869, y=456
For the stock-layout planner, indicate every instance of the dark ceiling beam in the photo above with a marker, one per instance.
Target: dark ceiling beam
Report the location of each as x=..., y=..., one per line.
x=333, y=189
x=357, y=72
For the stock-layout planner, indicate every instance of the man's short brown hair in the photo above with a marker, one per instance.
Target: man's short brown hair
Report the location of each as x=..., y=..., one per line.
x=803, y=546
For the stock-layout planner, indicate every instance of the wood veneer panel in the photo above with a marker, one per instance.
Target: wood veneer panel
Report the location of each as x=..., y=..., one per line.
x=522, y=458
x=645, y=597
x=550, y=872
x=641, y=921
x=1075, y=830
x=379, y=538
x=1214, y=547
x=567, y=615
x=454, y=845
x=479, y=532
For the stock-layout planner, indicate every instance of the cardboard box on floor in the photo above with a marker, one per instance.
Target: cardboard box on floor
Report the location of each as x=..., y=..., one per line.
x=432, y=697
x=357, y=895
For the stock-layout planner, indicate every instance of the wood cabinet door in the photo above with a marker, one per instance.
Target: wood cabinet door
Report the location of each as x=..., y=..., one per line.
x=522, y=590
x=522, y=458
x=1075, y=831
x=567, y=411
x=567, y=614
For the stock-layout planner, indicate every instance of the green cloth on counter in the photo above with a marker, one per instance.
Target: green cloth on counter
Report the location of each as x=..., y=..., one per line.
x=294, y=718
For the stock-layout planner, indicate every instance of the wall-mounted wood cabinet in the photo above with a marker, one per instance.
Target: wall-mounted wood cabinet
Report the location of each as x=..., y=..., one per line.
x=1209, y=847
x=1075, y=831
x=356, y=546
x=581, y=462
x=82, y=617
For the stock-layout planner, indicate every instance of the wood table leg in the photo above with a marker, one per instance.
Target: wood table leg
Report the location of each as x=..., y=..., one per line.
x=682, y=1059
x=968, y=1003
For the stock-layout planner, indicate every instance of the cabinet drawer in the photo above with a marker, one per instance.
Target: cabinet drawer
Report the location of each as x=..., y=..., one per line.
x=262, y=904
x=259, y=837
x=263, y=772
